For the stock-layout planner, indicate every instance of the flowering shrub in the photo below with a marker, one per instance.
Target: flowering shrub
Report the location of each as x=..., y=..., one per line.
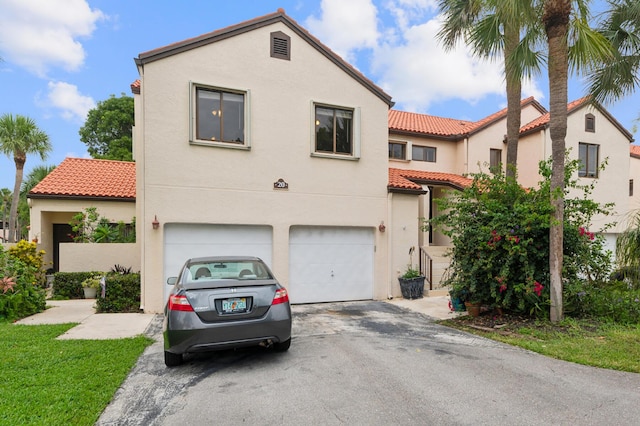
x=19, y=294
x=500, y=236
x=29, y=254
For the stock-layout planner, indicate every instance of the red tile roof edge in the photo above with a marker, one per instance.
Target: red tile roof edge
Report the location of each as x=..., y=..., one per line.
x=89, y=178
x=634, y=150
x=408, y=180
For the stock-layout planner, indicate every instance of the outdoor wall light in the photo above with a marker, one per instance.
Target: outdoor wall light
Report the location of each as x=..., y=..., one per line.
x=155, y=222
x=381, y=227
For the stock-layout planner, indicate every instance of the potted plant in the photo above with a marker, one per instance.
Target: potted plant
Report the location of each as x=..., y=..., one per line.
x=90, y=287
x=411, y=281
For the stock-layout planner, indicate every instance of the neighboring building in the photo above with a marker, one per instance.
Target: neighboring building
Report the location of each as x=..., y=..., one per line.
x=258, y=140
x=72, y=187
x=436, y=144
x=634, y=179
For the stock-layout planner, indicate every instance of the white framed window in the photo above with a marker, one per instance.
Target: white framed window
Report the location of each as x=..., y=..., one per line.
x=219, y=116
x=588, y=155
x=423, y=153
x=397, y=150
x=336, y=131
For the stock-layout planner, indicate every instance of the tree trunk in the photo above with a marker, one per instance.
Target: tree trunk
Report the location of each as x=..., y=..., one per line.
x=13, y=213
x=556, y=22
x=514, y=94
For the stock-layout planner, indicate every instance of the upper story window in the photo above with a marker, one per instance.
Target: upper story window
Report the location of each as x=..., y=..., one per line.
x=219, y=116
x=630, y=187
x=588, y=154
x=423, y=153
x=495, y=159
x=398, y=150
x=334, y=130
x=589, y=123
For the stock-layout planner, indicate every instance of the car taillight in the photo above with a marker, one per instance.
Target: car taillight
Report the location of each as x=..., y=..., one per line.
x=180, y=303
x=281, y=296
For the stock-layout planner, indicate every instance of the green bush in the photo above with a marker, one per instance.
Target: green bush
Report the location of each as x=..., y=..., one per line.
x=122, y=294
x=500, y=236
x=613, y=301
x=68, y=285
x=20, y=295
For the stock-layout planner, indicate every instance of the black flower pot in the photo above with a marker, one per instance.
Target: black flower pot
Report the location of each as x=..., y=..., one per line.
x=412, y=288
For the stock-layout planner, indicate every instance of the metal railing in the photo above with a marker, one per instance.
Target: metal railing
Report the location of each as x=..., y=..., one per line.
x=426, y=267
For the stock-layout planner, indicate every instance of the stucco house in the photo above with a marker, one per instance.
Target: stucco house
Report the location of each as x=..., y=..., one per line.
x=257, y=139
x=439, y=145
x=72, y=187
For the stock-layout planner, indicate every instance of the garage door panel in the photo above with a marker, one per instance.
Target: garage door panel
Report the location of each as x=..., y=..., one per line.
x=184, y=241
x=329, y=264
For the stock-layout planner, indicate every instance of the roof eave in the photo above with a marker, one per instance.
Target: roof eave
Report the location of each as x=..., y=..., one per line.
x=193, y=43
x=79, y=197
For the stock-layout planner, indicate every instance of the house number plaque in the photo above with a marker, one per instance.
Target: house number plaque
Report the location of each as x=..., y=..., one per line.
x=280, y=184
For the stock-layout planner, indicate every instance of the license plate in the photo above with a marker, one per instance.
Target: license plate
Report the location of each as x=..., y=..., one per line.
x=238, y=304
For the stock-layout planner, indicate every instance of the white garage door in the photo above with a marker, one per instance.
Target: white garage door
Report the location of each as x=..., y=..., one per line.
x=329, y=264
x=184, y=241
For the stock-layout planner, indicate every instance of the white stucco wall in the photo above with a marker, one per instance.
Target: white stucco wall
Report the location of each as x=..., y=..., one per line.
x=183, y=183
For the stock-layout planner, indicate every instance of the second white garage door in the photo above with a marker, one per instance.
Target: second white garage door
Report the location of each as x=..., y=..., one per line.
x=330, y=264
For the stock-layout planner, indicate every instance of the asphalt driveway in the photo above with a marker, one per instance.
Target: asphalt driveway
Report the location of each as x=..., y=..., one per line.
x=373, y=363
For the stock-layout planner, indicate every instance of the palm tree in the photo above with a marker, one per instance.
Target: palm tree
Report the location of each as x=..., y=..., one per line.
x=491, y=27
x=20, y=136
x=628, y=251
x=619, y=77
x=31, y=180
x=570, y=40
x=5, y=197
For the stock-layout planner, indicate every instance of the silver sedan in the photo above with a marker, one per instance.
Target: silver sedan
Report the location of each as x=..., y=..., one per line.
x=225, y=302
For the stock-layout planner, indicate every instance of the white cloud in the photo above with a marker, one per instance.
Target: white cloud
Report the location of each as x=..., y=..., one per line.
x=346, y=26
x=40, y=34
x=67, y=98
x=418, y=72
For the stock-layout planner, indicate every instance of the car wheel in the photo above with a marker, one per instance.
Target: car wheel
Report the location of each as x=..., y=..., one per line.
x=282, y=346
x=171, y=359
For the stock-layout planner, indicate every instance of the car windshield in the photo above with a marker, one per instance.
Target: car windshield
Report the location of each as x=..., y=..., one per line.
x=225, y=270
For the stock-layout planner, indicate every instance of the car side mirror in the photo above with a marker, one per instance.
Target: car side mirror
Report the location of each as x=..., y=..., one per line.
x=172, y=280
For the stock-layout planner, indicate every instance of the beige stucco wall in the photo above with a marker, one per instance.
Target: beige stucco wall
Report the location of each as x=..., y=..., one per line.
x=183, y=183
x=98, y=257
x=44, y=213
x=403, y=234
x=449, y=155
x=634, y=173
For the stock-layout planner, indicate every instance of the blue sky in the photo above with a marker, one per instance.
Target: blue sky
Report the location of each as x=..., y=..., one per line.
x=63, y=56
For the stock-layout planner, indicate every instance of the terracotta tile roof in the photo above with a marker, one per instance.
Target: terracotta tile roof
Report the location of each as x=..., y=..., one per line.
x=135, y=87
x=635, y=150
x=82, y=177
x=269, y=19
x=401, y=121
x=409, y=180
x=412, y=122
x=544, y=119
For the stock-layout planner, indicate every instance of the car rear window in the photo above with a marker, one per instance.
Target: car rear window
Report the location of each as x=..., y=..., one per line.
x=240, y=270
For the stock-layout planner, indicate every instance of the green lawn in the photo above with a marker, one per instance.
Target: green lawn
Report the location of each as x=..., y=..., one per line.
x=604, y=345
x=60, y=382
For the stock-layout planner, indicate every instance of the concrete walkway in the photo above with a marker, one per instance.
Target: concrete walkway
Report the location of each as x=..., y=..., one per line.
x=117, y=326
x=91, y=325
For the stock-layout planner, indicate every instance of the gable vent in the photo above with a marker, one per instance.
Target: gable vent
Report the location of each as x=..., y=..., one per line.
x=280, y=45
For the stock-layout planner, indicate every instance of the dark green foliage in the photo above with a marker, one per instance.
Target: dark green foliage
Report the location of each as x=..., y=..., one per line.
x=500, y=237
x=108, y=129
x=612, y=301
x=20, y=295
x=68, y=285
x=122, y=293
